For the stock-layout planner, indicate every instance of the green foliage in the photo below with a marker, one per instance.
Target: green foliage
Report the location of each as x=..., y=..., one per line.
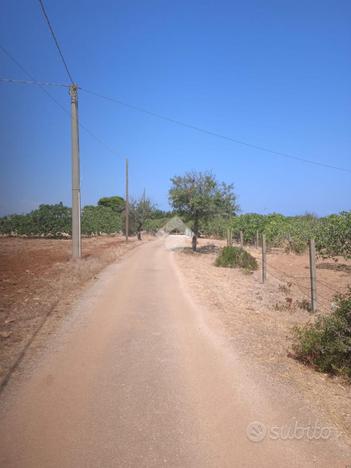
x=209, y=205
x=276, y=228
x=153, y=225
x=198, y=197
x=47, y=220
x=334, y=235
x=116, y=203
x=326, y=344
x=236, y=257
x=300, y=230
x=249, y=224
x=160, y=214
x=100, y=219
x=214, y=227
x=16, y=225
x=140, y=211
x=55, y=221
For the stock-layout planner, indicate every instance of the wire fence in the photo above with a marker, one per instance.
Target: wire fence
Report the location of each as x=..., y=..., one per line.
x=305, y=284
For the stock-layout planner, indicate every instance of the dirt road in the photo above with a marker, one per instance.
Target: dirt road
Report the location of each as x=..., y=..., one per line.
x=139, y=376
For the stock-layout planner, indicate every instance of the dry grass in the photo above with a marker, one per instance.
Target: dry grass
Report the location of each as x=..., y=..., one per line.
x=258, y=318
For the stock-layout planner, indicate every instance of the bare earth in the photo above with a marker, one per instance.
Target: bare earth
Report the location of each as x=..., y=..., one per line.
x=39, y=280
x=258, y=319
x=161, y=362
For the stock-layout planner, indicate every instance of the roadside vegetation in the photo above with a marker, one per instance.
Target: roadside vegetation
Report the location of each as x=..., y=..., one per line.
x=199, y=199
x=107, y=217
x=326, y=343
x=236, y=257
x=332, y=233
x=208, y=206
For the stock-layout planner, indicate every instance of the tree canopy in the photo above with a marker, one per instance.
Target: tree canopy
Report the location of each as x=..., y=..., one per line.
x=141, y=210
x=116, y=203
x=198, y=197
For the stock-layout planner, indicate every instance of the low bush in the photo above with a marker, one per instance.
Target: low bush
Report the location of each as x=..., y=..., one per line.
x=236, y=257
x=326, y=344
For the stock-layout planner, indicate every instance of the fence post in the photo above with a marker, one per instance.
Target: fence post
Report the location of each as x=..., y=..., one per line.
x=313, y=274
x=257, y=240
x=264, y=259
x=241, y=239
x=230, y=237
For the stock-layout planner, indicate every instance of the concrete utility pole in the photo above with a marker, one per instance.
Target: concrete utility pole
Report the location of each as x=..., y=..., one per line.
x=76, y=228
x=127, y=203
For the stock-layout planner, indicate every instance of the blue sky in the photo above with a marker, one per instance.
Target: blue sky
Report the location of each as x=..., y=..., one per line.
x=270, y=72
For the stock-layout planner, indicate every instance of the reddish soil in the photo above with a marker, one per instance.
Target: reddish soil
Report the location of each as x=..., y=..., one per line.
x=38, y=278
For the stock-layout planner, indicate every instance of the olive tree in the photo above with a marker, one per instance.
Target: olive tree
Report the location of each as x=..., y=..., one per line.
x=199, y=197
x=140, y=211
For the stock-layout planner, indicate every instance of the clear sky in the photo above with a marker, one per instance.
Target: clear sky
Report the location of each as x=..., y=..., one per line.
x=270, y=72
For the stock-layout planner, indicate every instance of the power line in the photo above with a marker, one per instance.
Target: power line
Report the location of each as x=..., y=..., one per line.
x=12, y=58
x=105, y=145
x=55, y=39
x=38, y=83
x=26, y=72
x=50, y=96
x=215, y=134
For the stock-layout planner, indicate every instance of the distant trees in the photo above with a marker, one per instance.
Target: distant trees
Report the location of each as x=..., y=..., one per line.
x=334, y=235
x=100, y=219
x=140, y=211
x=107, y=217
x=206, y=203
x=47, y=220
x=55, y=221
x=199, y=197
x=116, y=203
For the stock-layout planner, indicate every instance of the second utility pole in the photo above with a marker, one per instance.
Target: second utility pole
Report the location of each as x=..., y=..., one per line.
x=127, y=203
x=76, y=229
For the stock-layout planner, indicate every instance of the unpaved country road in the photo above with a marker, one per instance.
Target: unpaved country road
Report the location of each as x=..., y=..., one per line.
x=137, y=378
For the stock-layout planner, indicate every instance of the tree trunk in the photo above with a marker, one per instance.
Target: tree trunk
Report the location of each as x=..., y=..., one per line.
x=195, y=235
x=194, y=242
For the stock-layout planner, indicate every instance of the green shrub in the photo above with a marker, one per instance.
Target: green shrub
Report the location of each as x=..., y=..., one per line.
x=100, y=219
x=236, y=257
x=334, y=235
x=326, y=344
x=47, y=220
x=214, y=227
x=249, y=224
x=55, y=221
x=296, y=246
x=331, y=233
